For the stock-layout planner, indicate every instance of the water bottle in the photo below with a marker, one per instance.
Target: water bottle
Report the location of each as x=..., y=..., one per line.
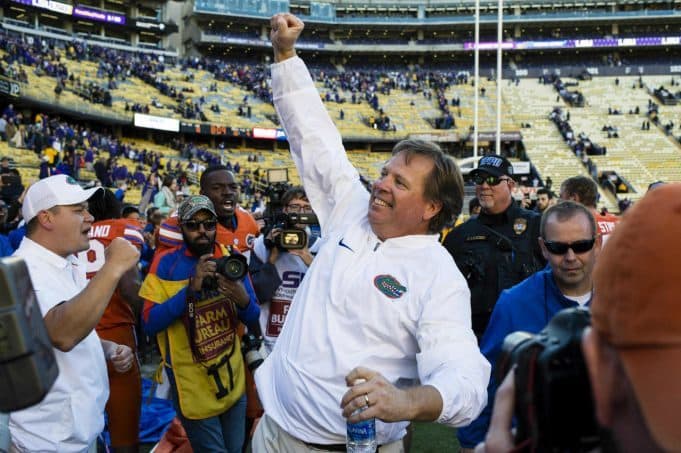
x=361, y=436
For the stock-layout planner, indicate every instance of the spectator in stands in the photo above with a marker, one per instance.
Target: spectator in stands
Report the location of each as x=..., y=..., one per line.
x=44, y=171
x=583, y=189
x=12, y=186
x=570, y=243
x=149, y=191
x=544, y=199
x=3, y=128
x=196, y=327
x=164, y=200
x=103, y=173
x=11, y=217
x=4, y=165
x=121, y=188
x=70, y=416
x=6, y=248
x=13, y=134
x=138, y=178
x=499, y=248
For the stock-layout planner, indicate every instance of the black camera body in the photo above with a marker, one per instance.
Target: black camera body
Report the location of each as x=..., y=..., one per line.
x=234, y=267
x=554, y=409
x=290, y=237
x=250, y=348
x=28, y=366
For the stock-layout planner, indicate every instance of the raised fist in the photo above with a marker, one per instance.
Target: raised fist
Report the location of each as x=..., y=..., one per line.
x=285, y=31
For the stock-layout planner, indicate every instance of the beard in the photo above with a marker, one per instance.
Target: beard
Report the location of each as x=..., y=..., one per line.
x=227, y=220
x=197, y=248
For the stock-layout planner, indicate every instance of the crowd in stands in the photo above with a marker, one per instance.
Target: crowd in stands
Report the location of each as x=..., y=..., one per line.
x=580, y=144
x=573, y=98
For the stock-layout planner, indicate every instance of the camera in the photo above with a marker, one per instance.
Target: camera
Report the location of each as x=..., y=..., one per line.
x=28, y=366
x=553, y=405
x=234, y=267
x=251, y=344
x=290, y=237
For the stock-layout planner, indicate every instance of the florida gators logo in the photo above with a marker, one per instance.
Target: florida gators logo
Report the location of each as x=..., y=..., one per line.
x=250, y=240
x=388, y=285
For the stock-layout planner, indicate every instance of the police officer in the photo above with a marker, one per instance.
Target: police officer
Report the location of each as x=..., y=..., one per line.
x=499, y=248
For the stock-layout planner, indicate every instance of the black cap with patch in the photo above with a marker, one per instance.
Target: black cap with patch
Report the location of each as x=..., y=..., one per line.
x=494, y=164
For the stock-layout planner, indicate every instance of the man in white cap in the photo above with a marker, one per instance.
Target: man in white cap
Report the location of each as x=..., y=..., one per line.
x=70, y=417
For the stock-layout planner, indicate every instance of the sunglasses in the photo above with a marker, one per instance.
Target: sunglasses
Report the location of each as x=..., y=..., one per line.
x=561, y=248
x=193, y=225
x=491, y=180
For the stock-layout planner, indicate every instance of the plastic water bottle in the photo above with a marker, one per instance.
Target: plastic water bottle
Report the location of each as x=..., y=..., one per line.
x=361, y=436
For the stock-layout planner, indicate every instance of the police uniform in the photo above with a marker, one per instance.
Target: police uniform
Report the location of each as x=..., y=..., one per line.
x=494, y=252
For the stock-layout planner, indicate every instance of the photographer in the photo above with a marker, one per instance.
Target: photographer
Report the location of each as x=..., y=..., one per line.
x=194, y=311
x=276, y=271
x=632, y=352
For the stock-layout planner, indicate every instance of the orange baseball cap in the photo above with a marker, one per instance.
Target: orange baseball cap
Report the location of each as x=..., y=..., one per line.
x=637, y=306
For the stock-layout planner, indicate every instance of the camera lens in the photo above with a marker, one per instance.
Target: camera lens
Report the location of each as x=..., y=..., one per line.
x=235, y=269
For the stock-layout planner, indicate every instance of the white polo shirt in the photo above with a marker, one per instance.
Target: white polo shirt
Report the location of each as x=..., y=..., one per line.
x=71, y=416
x=400, y=306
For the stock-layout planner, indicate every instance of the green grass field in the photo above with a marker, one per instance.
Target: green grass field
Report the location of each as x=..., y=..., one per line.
x=433, y=438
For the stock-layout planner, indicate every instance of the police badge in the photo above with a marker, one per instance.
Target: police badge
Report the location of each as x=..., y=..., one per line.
x=519, y=226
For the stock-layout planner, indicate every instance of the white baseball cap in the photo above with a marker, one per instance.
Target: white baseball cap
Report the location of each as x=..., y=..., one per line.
x=57, y=190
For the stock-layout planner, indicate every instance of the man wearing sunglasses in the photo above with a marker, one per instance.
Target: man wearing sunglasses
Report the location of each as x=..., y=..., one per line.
x=499, y=248
x=570, y=244
x=195, y=324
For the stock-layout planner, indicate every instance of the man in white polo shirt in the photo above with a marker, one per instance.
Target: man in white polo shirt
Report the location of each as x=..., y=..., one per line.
x=71, y=416
x=383, y=301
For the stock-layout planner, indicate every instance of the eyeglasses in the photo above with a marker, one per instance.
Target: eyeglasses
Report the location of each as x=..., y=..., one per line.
x=193, y=225
x=491, y=180
x=561, y=248
x=299, y=208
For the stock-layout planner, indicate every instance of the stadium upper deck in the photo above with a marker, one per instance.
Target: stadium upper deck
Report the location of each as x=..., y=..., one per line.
x=540, y=35
x=124, y=25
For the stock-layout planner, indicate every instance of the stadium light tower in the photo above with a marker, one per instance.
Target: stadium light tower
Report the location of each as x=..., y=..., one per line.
x=500, y=29
x=476, y=75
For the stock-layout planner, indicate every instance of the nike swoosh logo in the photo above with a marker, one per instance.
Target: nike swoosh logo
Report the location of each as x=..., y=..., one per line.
x=343, y=244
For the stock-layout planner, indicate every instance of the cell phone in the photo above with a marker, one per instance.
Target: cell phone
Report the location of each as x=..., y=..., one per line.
x=9, y=179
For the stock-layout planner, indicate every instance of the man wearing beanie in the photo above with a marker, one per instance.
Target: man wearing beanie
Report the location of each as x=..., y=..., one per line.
x=633, y=349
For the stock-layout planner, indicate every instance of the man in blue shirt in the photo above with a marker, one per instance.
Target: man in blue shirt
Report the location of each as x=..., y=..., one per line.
x=570, y=243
